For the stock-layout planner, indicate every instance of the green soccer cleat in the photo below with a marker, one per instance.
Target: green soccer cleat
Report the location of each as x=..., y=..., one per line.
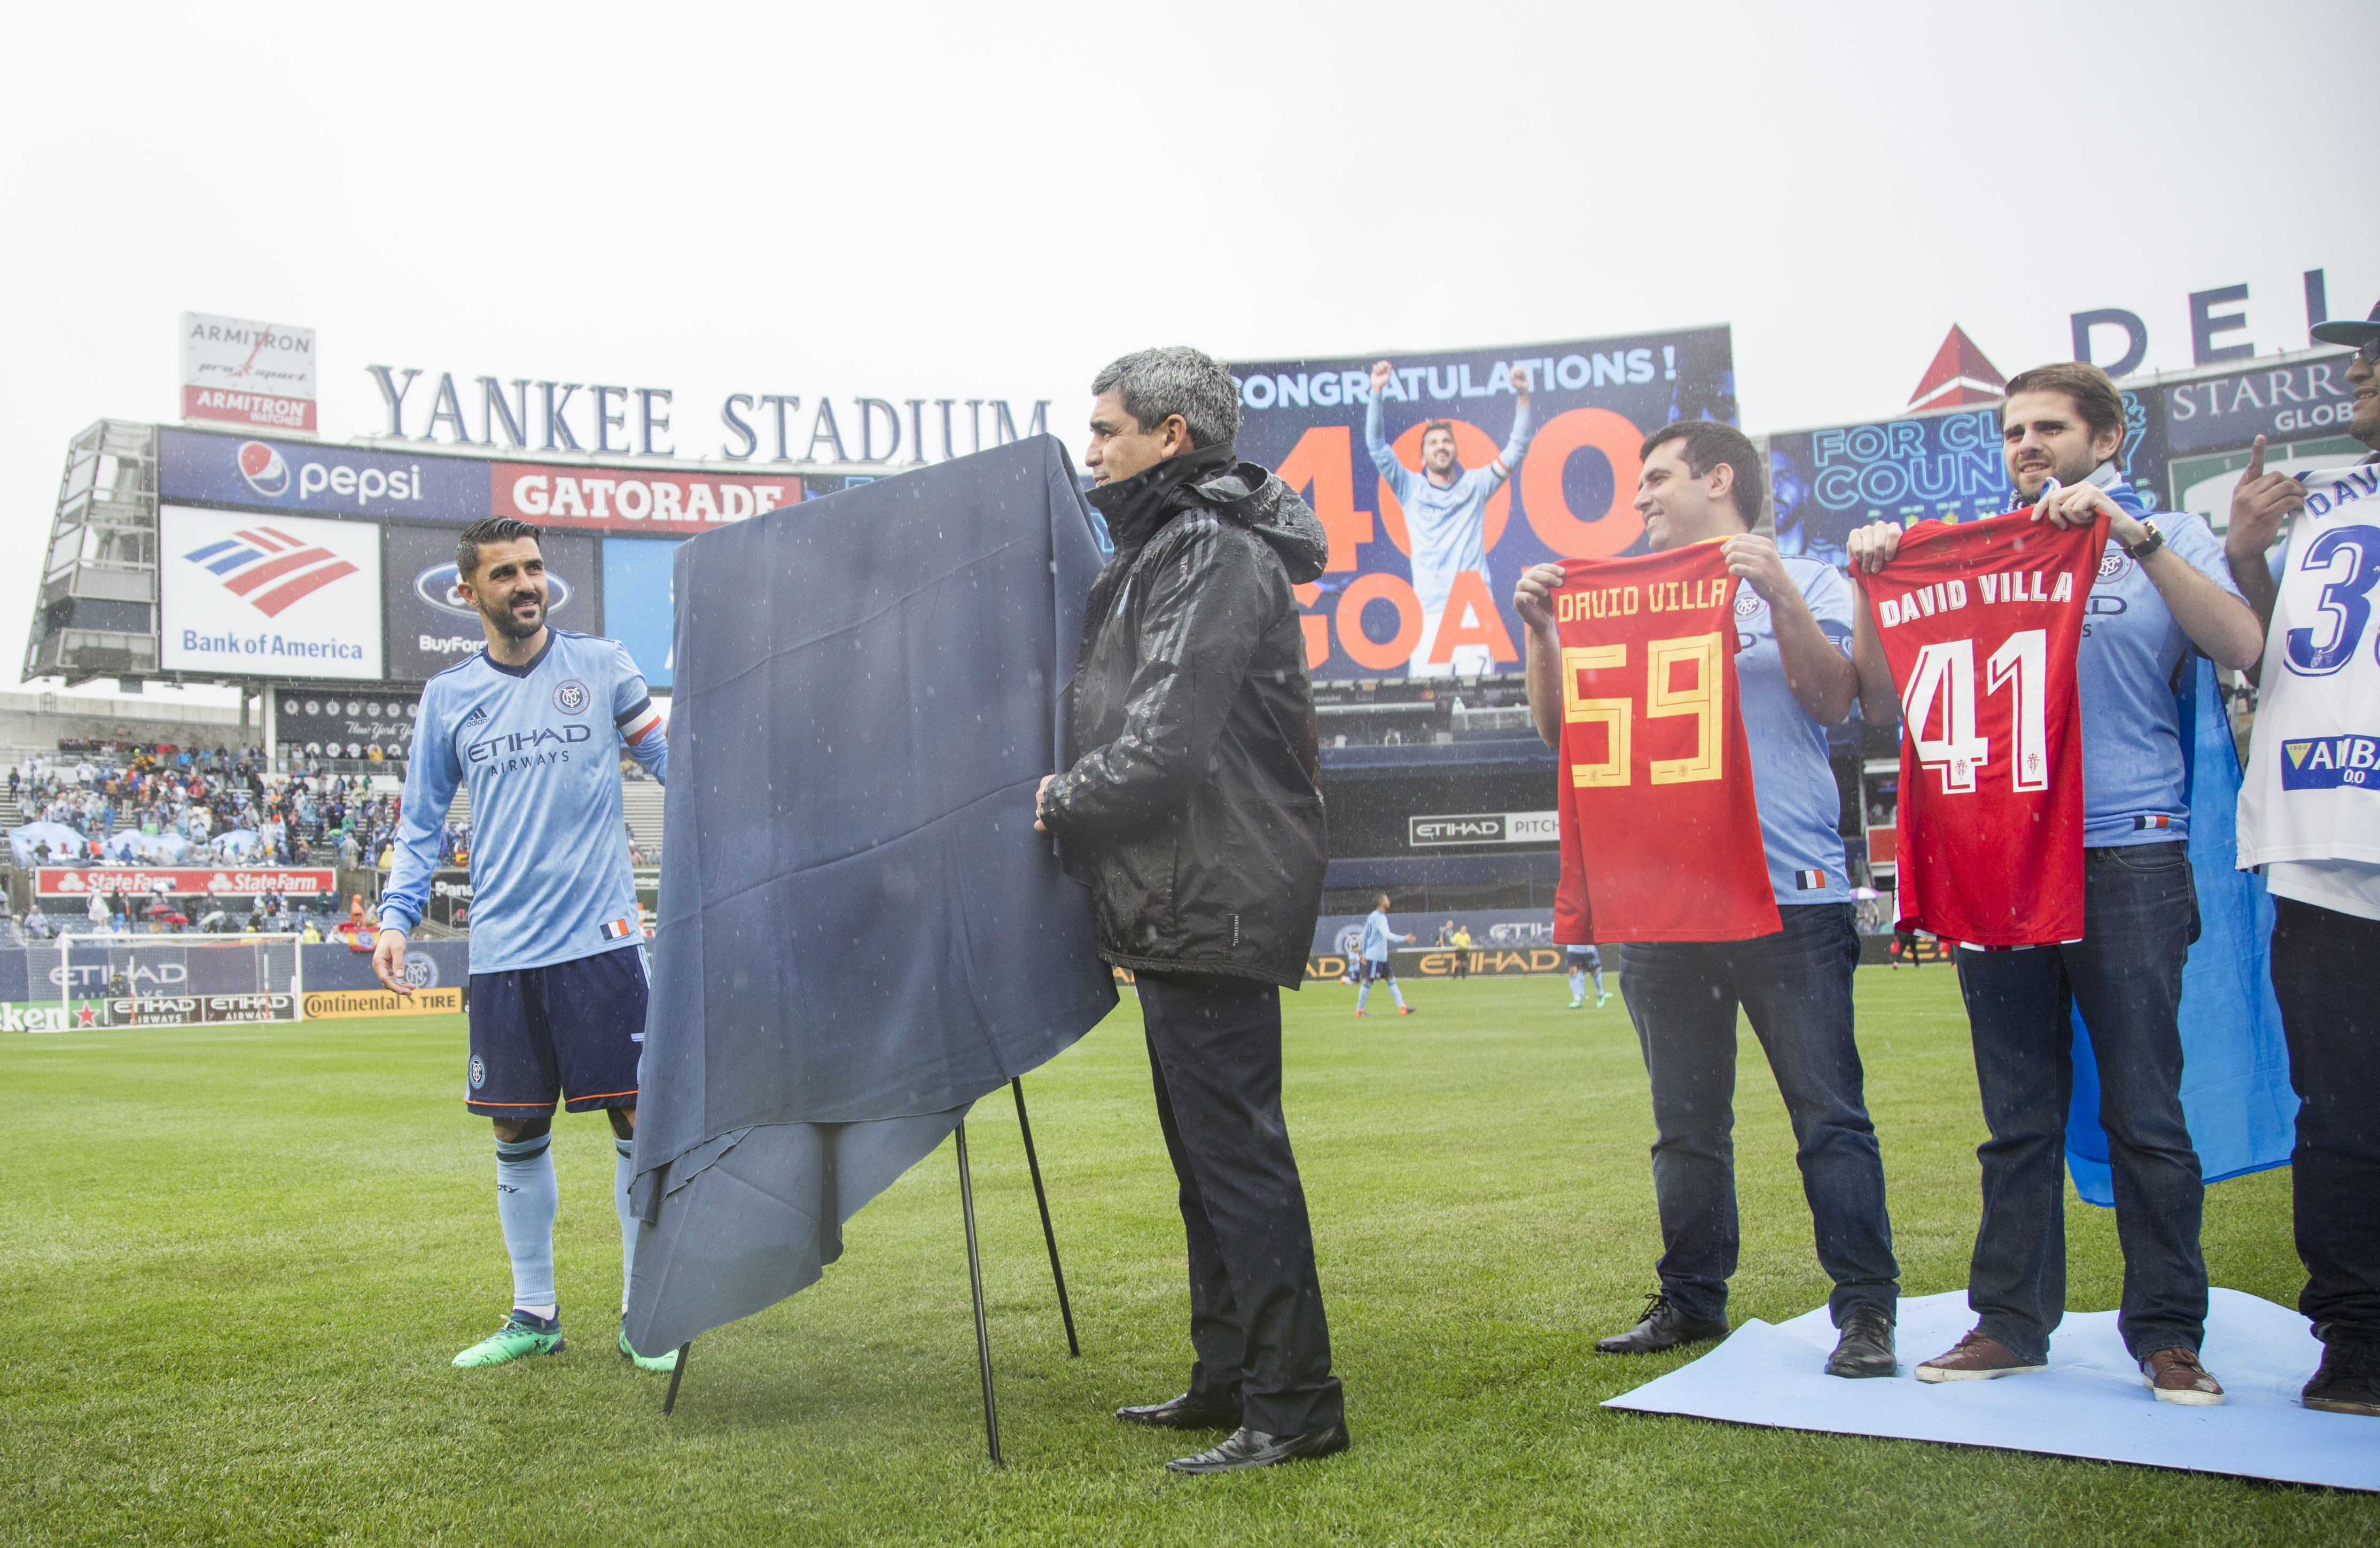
x=663, y=1364
x=521, y=1335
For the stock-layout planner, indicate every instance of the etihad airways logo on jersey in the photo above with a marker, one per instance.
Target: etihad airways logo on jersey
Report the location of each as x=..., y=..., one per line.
x=522, y=749
x=1997, y=587
x=2328, y=763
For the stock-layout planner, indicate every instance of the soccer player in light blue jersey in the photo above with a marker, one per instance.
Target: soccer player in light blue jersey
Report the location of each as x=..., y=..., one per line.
x=1446, y=517
x=535, y=724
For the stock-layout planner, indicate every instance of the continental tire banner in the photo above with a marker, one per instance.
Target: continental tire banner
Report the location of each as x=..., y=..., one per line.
x=1428, y=591
x=344, y=1004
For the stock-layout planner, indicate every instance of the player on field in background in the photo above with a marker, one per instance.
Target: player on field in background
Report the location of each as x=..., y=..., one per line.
x=1446, y=517
x=1376, y=939
x=1582, y=962
x=535, y=723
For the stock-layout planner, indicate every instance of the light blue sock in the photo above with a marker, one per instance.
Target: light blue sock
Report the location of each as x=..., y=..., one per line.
x=526, y=1200
x=1599, y=980
x=1578, y=984
x=621, y=1175
x=1363, y=990
x=1396, y=992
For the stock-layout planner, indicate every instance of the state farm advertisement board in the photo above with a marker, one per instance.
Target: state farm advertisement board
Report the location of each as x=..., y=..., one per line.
x=77, y=880
x=248, y=373
x=268, y=596
x=637, y=500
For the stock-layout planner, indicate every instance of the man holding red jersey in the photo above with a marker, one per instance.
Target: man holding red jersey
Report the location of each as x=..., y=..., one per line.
x=2163, y=588
x=1702, y=483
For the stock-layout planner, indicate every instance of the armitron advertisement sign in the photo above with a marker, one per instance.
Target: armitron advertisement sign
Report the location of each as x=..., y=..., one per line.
x=343, y=1003
x=73, y=881
x=246, y=372
x=268, y=596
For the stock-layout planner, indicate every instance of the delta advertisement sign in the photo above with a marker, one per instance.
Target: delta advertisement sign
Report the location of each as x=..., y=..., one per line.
x=288, y=475
x=1428, y=592
x=72, y=881
x=246, y=595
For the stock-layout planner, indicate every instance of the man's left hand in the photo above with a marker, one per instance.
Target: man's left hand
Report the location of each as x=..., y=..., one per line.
x=1755, y=559
x=1521, y=376
x=1038, y=791
x=2080, y=505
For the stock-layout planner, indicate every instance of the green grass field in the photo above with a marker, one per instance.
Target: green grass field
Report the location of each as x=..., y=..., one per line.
x=234, y=1264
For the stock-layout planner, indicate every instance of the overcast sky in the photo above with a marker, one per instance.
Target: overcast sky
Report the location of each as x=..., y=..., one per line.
x=990, y=201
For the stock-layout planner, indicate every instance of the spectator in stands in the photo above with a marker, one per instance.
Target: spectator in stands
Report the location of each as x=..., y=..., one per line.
x=37, y=923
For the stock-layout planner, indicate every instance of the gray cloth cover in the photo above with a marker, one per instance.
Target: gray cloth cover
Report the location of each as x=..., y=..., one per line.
x=860, y=932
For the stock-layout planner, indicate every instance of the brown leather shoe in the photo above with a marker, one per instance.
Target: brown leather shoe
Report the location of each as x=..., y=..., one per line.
x=2176, y=1376
x=1975, y=1358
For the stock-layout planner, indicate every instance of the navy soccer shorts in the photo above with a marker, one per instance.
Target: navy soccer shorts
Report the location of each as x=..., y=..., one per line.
x=574, y=1028
x=1583, y=957
x=1375, y=971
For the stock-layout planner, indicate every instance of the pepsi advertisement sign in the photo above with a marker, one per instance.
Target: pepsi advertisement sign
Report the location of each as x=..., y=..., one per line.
x=431, y=627
x=301, y=475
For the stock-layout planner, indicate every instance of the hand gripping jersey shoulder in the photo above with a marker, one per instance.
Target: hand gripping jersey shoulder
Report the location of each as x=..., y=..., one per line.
x=1980, y=623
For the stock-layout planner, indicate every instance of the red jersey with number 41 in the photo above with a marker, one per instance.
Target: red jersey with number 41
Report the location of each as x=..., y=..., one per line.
x=1980, y=622
x=1660, y=831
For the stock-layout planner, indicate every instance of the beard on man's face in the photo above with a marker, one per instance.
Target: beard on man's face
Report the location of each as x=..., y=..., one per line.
x=515, y=625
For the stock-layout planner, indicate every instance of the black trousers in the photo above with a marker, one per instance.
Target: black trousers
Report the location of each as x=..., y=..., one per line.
x=1255, y=1305
x=2322, y=967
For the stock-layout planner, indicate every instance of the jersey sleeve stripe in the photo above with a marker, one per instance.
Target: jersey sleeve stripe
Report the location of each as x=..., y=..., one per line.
x=638, y=722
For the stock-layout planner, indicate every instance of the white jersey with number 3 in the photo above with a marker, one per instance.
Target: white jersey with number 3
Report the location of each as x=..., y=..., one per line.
x=2310, y=803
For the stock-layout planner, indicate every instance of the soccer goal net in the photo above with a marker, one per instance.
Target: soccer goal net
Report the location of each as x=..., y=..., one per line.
x=172, y=981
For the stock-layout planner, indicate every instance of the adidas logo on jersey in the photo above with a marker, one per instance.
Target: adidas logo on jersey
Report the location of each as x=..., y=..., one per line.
x=478, y=714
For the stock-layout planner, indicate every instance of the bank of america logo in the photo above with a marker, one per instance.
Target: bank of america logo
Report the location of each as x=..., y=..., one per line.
x=269, y=568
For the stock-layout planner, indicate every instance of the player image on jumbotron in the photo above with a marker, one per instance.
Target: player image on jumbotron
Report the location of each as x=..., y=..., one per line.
x=1446, y=516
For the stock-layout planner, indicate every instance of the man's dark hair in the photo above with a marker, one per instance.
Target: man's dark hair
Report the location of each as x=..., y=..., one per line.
x=1446, y=425
x=1158, y=384
x=2092, y=391
x=492, y=529
x=1709, y=444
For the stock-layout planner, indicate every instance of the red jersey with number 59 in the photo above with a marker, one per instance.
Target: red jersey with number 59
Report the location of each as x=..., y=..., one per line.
x=1660, y=830
x=1980, y=622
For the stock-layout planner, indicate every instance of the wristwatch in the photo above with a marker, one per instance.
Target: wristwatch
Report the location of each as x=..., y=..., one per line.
x=2147, y=545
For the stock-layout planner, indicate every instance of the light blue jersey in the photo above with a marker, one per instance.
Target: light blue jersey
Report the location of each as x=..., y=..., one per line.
x=1376, y=937
x=541, y=747
x=1801, y=809
x=1447, y=528
x=2134, y=777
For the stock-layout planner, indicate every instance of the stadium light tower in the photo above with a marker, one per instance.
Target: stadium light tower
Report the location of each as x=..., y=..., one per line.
x=96, y=614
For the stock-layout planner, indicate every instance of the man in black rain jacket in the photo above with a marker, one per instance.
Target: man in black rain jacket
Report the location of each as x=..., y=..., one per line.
x=1191, y=806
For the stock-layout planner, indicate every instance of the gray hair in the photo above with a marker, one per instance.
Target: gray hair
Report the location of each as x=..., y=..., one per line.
x=1176, y=379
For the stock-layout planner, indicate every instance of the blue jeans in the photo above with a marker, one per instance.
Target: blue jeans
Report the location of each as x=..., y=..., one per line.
x=1795, y=987
x=2140, y=913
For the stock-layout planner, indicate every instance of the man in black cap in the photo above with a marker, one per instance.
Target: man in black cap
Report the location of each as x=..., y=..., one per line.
x=2307, y=821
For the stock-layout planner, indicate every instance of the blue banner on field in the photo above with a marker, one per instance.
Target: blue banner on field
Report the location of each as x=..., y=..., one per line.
x=2235, y=1074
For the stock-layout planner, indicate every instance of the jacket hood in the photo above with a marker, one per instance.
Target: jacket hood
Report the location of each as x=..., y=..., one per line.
x=1213, y=477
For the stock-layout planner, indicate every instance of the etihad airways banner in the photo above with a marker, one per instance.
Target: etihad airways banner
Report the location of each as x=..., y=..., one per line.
x=1423, y=558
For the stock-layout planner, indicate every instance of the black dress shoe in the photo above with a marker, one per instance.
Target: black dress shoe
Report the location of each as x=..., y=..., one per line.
x=1663, y=1327
x=1254, y=1448
x=1866, y=1347
x=1182, y=1413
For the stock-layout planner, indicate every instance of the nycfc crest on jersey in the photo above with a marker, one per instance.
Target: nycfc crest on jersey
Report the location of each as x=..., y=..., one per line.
x=1981, y=623
x=539, y=747
x=2313, y=786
